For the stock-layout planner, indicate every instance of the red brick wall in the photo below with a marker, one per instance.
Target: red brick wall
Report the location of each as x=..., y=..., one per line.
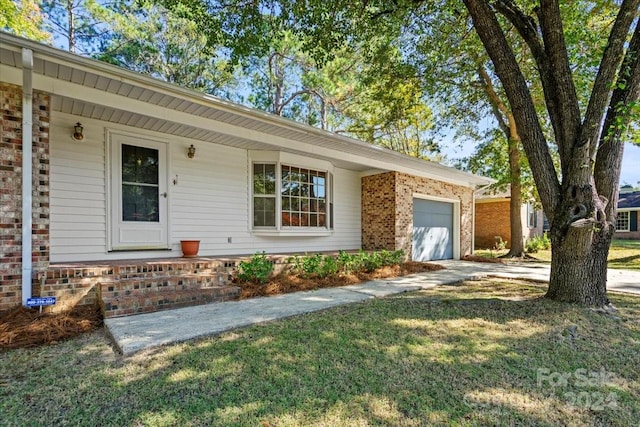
x=387, y=210
x=378, y=212
x=492, y=219
x=11, y=191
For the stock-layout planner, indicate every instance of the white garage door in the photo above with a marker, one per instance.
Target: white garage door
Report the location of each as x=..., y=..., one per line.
x=432, y=230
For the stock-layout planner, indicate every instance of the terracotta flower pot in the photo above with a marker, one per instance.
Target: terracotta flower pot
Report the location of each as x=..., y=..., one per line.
x=189, y=248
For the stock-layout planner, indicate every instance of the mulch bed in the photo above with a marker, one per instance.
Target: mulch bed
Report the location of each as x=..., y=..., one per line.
x=23, y=327
x=475, y=258
x=286, y=283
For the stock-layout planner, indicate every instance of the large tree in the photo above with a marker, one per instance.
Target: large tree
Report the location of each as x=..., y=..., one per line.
x=151, y=40
x=580, y=201
x=580, y=197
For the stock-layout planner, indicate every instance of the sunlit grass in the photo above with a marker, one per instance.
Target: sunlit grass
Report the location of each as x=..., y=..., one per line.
x=623, y=254
x=481, y=353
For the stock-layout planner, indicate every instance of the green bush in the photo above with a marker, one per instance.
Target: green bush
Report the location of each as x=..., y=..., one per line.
x=324, y=266
x=258, y=269
x=329, y=267
x=500, y=244
x=347, y=262
x=314, y=265
x=537, y=243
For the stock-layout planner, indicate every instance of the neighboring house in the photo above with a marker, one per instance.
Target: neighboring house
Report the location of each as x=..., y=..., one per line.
x=154, y=164
x=627, y=219
x=493, y=223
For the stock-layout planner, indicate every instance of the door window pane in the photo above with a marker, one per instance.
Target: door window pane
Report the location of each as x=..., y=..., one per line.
x=140, y=203
x=139, y=164
x=140, y=177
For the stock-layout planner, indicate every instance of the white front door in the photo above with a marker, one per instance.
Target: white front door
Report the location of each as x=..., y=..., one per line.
x=138, y=193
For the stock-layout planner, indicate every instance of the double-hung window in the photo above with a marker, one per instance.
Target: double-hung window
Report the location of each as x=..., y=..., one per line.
x=264, y=195
x=289, y=197
x=622, y=221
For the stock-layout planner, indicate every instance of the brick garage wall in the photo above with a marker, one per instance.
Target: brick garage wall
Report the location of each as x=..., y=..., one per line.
x=11, y=191
x=378, y=212
x=408, y=185
x=387, y=210
x=492, y=219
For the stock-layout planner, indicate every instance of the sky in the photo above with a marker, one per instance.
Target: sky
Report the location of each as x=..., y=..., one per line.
x=630, y=165
x=630, y=173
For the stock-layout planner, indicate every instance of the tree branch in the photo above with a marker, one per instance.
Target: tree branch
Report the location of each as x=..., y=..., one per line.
x=611, y=58
x=611, y=146
x=500, y=111
x=520, y=100
x=556, y=49
x=529, y=31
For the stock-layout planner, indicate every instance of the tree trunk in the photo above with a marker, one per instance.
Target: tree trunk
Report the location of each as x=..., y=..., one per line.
x=515, y=218
x=508, y=125
x=579, y=267
x=515, y=204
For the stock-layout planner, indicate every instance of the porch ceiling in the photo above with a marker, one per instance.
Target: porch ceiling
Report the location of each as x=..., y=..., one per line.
x=112, y=115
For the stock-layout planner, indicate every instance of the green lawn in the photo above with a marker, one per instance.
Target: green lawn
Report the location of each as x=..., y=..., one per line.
x=482, y=353
x=624, y=254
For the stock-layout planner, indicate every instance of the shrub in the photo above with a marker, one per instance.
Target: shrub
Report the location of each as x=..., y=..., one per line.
x=500, y=244
x=258, y=269
x=329, y=267
x=314, y=265
x=537, y=243
x=347, y=262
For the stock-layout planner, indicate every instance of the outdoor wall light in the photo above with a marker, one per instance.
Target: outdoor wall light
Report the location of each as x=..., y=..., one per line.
x=77, y=132
x=191, y=152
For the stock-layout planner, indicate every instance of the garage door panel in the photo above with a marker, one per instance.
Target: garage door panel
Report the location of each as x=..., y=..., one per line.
x=432, y=230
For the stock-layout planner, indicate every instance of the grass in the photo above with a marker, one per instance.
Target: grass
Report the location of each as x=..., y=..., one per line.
x=480, y=353
x=624, y=254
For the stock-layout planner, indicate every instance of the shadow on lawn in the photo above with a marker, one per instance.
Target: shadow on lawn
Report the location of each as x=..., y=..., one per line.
x=418, y=359
x=625, y=260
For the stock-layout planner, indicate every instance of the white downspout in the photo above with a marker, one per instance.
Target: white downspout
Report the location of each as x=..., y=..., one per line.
x=27, y=166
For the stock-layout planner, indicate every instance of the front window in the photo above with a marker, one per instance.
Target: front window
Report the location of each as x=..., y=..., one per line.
x=264, y=195
x=622, y=221
x=303, y=196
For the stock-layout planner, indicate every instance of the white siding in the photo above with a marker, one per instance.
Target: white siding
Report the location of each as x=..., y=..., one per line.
x=209, y=200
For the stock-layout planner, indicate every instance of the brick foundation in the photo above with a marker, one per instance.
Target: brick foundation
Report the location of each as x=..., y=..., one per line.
x=11, y=191
x=387, y=210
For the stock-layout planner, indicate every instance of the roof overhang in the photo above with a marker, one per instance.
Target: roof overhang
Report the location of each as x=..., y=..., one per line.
x=88, y=88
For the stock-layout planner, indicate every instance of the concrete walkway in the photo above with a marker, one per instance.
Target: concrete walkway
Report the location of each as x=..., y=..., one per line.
x=135, y=333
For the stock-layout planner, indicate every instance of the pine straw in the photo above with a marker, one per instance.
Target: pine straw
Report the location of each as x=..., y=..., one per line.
x=22, y=327
x=286, y=282
x=476, y=258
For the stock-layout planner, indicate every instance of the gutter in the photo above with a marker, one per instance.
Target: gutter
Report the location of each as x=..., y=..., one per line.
x=27, y=166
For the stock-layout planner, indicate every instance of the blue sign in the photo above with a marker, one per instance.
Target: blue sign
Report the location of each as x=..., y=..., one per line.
x=40, y=301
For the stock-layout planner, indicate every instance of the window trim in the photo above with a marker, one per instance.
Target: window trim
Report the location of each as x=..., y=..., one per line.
x=287, y=159
x=628, y=221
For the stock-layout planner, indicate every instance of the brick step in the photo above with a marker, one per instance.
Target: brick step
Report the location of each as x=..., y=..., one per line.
x=156, y=269
x=115, y=287
x=134, y=296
